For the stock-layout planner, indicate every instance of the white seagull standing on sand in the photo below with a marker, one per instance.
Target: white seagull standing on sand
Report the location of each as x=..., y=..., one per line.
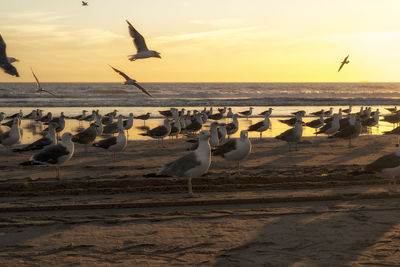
x=130, y=81
x=350, y=132
x=191, y=165
x=5, y=62
x=235, y=149
x=260, y=126
x=115, y=143
x=345, y=61
x=13, y=136
x=39, y=87
x=140, y=44
x=55, y=154
x=160, y=132
x=292, y=135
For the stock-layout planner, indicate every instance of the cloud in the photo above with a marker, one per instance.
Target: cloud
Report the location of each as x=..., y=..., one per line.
x=57, y=34
x=36, y=16
x=219, y=22
x=206, y=34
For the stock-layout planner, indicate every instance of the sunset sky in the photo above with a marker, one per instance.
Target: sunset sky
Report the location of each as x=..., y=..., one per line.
x=204, y=40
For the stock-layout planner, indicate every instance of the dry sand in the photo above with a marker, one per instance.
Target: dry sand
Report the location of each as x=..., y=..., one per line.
x=300, y=208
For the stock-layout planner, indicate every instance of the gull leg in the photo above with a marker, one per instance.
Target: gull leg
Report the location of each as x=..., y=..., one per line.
x=260, y=136
x=190, y=189
x=238, y=168
x=391, y=184
x=58, y=172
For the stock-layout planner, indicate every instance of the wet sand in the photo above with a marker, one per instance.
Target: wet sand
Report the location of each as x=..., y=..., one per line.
x=299, y=208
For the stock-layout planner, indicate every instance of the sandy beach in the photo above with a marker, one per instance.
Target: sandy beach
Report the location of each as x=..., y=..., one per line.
x=299, y=208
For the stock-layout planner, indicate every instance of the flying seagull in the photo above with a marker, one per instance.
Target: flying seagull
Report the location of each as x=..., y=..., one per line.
x=140, y=44
x=130, y=81
x=5, y=62
x=85, y=3
x=345, y=61
x=39, y=87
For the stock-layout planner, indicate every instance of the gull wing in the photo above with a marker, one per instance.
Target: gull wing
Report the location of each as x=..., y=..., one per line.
x=49, y=93
x=138, y=39
x=143, y=90
x=4, y=64
x=3, y=55
x=121, y=73
x=343, y=62
x=37, y=81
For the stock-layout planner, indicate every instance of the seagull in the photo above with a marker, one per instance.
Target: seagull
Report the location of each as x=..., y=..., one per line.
x=113, y=127
x=143, y=117
x=191, y=165
x=47, y=140
x=80, y=117
x=214, y=140
x=222, y=110
x=222, y=134
x=316, y=123
x=54, y=154
x=292, y=121
x=247, y=113
x=318, y=113
x=350, y=132
x=85, y=3
x=99, y=128
x=260, y=126
x=235, y=149
x=115, y=143
x=392, y=110
x=348, y=110
x=128, y=123
x=59, y=123
x=387, y=165
x=330, y=127
x=168, y=113
x=301, y=112
x=292, y=135
x=345, y=61
x=233, y=127
x=160, y=132
x=196, y=125
x=5, y=62
x=13, y=136
x=216, y=116
x=230, y=113
x=130, y=81
x=87, y=136
x=39, y=87
x=140, y=44
x=18, y=114
x=268, y=111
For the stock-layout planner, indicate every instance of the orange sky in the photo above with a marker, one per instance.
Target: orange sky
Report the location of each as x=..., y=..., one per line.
x=204, y=41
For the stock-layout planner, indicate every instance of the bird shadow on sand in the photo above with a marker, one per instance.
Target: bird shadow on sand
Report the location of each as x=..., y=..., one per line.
x=319, y=238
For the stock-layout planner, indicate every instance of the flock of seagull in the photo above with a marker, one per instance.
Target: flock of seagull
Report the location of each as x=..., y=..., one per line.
x=216, y=141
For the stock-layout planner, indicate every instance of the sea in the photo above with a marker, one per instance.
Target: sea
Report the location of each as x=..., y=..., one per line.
x=284, y=98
